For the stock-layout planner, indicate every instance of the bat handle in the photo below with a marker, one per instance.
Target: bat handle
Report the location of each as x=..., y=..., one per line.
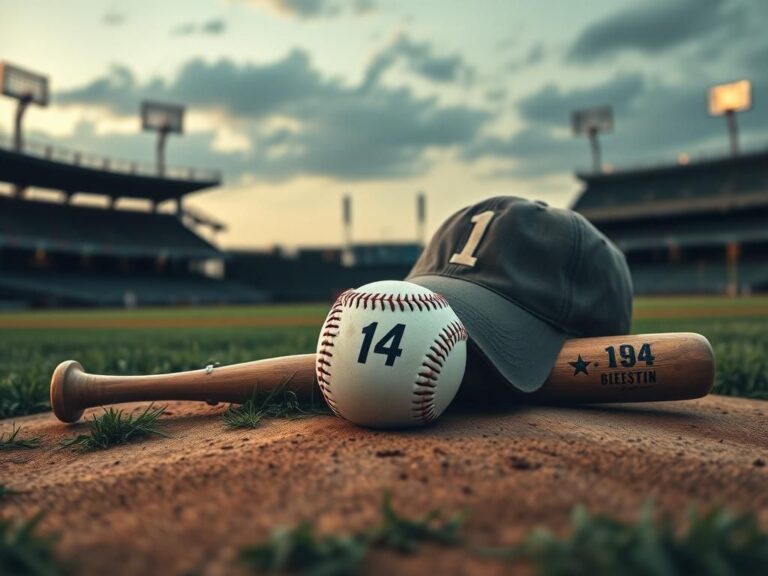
x=65, y=384
x=73, y=390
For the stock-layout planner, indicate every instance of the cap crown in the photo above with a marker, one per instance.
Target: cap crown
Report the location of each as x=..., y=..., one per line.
x=549, y=261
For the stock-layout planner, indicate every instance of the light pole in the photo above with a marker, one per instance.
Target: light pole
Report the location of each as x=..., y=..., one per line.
x=726, y=100
x=164, y=119
x=27, y=88
x=421, y=218
x=591, y=122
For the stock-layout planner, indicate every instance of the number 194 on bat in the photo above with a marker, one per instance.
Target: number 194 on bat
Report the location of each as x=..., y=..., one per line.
x=627, y=356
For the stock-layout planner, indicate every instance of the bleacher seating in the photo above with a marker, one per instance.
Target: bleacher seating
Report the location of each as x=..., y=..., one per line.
x=99, y=289
x=679, y=188
x=71, y=228
x=716, y=229
x=703, y=277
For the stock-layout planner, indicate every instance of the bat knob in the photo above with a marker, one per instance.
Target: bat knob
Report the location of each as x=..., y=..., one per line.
x=64, y=393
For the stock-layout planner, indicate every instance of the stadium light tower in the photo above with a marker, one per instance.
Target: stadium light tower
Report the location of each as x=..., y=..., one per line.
x=347, y=254
x=26, y=87
x=164, y=119
x=421, y=217
x=726, y=100
x=590, y=122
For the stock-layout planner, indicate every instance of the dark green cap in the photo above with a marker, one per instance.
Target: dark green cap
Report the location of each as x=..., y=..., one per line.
x=524, y=277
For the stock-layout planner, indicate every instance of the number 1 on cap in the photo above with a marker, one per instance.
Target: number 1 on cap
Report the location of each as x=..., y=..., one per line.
x=481, y=222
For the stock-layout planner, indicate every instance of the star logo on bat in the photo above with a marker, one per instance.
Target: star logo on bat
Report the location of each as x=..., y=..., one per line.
x=580, y=365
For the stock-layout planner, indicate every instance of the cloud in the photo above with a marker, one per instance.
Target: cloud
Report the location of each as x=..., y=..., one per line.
x=531, y=152
x=654, y=27
x=552, y=105
x=314, y=9
x=654, y=120
x=212, y=27
x=535, y=55
x=113, y=18
x=420, y=59
x=300, y=122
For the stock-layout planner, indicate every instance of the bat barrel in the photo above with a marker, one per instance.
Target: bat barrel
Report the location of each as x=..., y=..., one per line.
x=632, y=368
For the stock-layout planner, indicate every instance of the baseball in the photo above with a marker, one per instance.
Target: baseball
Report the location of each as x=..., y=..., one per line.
x=390, y=354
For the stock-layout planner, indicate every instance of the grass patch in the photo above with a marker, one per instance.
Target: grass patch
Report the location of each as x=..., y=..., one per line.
x=405, y=535
x=5, y=492
x=31, y=354
x=11, y=441
x=301, y=551
x=116, y=427
x=24, y=393
x=278, y=403
x=23, y=552
x=713, y=544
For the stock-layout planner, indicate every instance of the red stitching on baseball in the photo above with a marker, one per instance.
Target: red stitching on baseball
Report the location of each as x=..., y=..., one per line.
x=433, y=363
x=323, y=366
x=376, y=300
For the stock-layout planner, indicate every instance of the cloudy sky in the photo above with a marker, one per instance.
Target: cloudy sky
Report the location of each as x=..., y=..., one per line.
x=301, y=101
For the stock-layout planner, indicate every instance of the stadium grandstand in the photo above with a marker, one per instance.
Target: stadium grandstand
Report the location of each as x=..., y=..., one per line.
x=320, y=274
x=65, y=253
x=689, y=227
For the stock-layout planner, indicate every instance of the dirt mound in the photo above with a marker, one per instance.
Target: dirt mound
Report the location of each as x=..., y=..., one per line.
x=186, y=504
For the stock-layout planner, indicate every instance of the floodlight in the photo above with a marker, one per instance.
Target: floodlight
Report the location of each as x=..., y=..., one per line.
x=590, y=122
x=726, y=100
x=22, y=84
x=733, y=97
x=26, y=87
x=164, y=119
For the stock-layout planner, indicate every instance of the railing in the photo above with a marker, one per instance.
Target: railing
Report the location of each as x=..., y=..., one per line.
x=115, y=165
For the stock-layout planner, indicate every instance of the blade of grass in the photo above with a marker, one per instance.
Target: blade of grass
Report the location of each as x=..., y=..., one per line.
x=11, y=441
x=115, y=427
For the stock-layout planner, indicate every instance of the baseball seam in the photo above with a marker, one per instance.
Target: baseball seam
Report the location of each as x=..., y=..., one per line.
x=428, y=376
x=323, y=364
x=372, y=300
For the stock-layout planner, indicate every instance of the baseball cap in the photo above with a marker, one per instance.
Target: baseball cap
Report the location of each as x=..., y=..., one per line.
x=524, y=277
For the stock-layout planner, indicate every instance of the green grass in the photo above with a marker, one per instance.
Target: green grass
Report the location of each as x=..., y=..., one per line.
x=740, y=346
x=24, y=552
x=5, y=492
x=300, y=551
x=713, y=544
x=28, y=356
x=281, y=402
x=12, y=441
x=116, y=427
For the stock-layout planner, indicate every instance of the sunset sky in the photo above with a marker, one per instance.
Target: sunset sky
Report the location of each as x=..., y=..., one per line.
x=301, y=101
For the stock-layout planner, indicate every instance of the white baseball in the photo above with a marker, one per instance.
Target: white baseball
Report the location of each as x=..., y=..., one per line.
x=390, y=354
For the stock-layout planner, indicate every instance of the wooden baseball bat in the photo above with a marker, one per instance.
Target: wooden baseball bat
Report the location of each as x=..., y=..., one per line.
x=636, y=368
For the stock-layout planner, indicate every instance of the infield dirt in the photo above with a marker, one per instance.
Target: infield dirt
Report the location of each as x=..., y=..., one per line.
x=186, y=504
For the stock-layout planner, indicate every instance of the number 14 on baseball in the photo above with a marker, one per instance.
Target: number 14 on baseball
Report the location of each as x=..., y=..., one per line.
x=391, y=351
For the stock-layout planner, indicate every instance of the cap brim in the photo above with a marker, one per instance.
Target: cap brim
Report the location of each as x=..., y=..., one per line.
x=521, y=347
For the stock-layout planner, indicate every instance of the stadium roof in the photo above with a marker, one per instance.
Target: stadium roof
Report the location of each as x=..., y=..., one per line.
x=84, y=230
x=44, y=166
x=726, y=183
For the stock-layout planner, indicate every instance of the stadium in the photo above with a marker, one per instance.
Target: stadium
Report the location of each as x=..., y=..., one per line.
x=203, y=374
x=689, y=227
